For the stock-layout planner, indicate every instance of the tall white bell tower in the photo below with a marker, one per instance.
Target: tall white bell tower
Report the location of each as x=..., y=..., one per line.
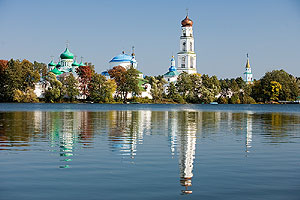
x=186, y=55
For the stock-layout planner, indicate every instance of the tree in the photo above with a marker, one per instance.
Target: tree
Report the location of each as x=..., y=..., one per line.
x=85, y=75
x=3, y=82
x=184, y=84
x=275, y=90
x=262, y=90
x=173, y=94
x=25, y=97
x=70, y=87
x=41, y=68
x=17, y=75
x=126, y=80
x=54, y=91
x=210, y=89
x=157, y=88
x=101, y=90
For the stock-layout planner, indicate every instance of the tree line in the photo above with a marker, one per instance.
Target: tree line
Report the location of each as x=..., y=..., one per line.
x=19, y=79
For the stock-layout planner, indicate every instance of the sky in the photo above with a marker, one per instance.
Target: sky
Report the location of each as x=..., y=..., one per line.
x=224, y=32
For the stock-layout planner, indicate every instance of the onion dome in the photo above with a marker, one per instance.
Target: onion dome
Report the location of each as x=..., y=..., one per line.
x=187, y=22
x=81, y=64
x=75, y=64
x=58, y=65
x=52, y=64
x=66, y=54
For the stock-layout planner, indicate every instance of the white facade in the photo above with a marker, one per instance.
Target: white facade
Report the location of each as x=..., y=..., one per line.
x=248, y=73
x=186, y=55
x=66, y=65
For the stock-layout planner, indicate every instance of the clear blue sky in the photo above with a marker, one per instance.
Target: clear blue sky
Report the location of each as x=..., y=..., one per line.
x=269, y=30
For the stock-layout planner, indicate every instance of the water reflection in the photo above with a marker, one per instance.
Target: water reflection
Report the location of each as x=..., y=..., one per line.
x=68, y=132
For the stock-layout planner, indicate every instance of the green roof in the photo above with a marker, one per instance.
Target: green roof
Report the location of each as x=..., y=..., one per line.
x=81, y=64
x=141, y=82
x=58, y=65
x=173, y=73
x=52, y=63
x=56, y=71
x=75, y=63
x=66, y=54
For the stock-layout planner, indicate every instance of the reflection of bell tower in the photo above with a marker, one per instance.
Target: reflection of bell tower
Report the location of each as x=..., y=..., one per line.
x=248, y=132
x=187, y=149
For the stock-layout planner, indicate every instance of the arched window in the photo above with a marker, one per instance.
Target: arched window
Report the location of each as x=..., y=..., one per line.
x=183, y=62
x=183, y=46
x=192, y=62
x=191, y=46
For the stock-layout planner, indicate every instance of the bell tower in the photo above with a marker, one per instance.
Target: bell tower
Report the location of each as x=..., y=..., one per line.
x=186, y=55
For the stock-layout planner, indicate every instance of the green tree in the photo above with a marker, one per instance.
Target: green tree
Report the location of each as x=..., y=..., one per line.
x=101, y=90
x=262, y=90
x=157, y=88
x=184, y=84
x=70, y=87
x=17, y=75
x=54, y=90
x=210, y=89
x=173, y=94
x=126, y=80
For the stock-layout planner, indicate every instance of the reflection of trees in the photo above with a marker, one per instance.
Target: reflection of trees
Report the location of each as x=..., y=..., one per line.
x=278, y=126
x=126, y=130
x=16, y=129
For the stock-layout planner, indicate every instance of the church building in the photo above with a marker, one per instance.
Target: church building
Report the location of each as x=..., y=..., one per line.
x=172, y=74
x=187, y=55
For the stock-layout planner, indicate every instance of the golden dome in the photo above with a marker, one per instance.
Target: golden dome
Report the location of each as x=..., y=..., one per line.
x=186, y=22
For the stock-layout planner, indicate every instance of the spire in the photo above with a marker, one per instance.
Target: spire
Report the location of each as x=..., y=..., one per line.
x=247, y=64
x=132, y=54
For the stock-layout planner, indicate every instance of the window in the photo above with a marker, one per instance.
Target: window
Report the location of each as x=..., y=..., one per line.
x=182, y=65
x=192, y=62
x=191, y=46
x=183, y=46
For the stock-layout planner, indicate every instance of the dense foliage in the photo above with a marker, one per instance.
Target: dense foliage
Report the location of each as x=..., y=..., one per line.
x=18, y=80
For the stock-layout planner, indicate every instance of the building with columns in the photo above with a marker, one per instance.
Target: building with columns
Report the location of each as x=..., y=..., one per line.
x=187, y=55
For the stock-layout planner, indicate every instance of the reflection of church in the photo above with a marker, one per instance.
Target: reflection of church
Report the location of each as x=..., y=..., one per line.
x=186, y=148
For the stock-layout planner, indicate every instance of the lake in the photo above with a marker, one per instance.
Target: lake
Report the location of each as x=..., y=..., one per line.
x=136, y=151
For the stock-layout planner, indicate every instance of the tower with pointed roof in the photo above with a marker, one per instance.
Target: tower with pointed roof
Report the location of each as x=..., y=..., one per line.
x=187, y=55
x=248, y=72
x=172, y=74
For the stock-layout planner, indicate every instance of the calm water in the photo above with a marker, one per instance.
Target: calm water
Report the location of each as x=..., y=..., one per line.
x=89, y=151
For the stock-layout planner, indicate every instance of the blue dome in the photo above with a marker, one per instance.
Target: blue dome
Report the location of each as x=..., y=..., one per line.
x=122, y=58
x=105, y=73
x=172, y=69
